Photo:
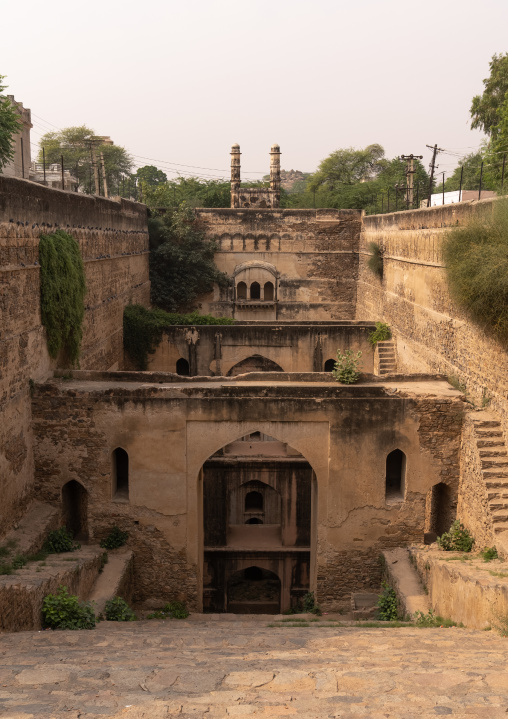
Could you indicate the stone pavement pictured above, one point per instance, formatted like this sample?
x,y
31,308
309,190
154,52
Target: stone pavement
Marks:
x,y
231,666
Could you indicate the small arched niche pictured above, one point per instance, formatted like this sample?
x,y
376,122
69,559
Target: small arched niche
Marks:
x,y
182,367
395,476
241,291
254,502
269,292
120,474
329,365
75,509
255,291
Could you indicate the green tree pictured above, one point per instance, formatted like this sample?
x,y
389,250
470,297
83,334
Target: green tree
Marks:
x,y
181,266
191,190
346,166
75,145
151,176
486,108
470,167
10,124
496,153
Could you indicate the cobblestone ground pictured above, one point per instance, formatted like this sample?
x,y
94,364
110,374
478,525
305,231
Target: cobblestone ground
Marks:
x,y
233,667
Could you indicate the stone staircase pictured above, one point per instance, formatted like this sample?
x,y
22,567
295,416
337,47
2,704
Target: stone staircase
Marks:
x,y
493,453
387,361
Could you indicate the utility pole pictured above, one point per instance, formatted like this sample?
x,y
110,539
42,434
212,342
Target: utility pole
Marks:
x,y
410,171
95,167
432,166
104,180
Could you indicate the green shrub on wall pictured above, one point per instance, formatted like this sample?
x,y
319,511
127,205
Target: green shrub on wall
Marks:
x,y
143,328
375,261
62,294
476,259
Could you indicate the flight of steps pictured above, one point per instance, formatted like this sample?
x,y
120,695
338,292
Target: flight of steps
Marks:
x,y
386,357
493,454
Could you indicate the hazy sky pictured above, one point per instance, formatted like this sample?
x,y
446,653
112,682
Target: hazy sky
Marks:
x,y
180,82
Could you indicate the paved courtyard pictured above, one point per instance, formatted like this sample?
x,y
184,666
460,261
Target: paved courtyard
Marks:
x,y
234,667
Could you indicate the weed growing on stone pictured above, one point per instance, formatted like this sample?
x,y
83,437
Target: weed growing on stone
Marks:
x,y
116,538
488,554
171,610
380,334
457,384
117,610
346,369
309,605
498,574
430,619
375,261
460,558
64,611
387,604
60,540
457,539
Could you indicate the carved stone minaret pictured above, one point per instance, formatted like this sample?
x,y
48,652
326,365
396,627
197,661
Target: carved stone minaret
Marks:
x,y
235,175
275,175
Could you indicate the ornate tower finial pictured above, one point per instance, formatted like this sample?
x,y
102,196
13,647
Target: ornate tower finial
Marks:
x,y
275,175
235,175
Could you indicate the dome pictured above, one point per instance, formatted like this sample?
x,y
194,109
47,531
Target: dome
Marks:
x,y
275,148
234,147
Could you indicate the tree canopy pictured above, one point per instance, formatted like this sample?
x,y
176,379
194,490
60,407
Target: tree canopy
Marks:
x,y
151,176
10,124
75,145
181,261
191,190
486,109
346,166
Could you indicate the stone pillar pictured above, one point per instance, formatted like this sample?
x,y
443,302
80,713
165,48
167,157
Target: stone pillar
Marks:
x,y
235,175
275,175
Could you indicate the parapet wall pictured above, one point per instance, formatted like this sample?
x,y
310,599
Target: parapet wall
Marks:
x,y
113,239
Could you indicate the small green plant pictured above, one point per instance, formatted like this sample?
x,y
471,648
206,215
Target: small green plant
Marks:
x,y
380,334
309,605
116,538
64,611
171,610
31,387
104,561
486,398
375,261
117,610
488,554
60,540
346,369
429,619
457,384
19,561
387,604
457,539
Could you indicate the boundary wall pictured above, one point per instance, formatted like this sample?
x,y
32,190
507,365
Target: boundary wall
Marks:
x,y
113,239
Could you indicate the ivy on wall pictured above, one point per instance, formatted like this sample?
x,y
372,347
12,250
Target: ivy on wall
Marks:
x,y
62,294
143,328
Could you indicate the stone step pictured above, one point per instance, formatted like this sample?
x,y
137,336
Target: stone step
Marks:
x,y
493,453
490,443
485,422
500,527
386,352
494,462
498,496
498,485
489,474
115,579
497,504
385,343
499,516
31,532
485,432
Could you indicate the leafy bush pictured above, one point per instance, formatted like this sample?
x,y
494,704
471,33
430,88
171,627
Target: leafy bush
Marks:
x,y
171,610
387,604
117,610
346,367
62,293
476,259
488,554
116,538
309,604
380,334
60,540
143,328
375,261
457,539
64,611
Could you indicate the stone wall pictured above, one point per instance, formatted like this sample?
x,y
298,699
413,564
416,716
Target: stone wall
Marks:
x,y
294,347
170,430
114,244
313,254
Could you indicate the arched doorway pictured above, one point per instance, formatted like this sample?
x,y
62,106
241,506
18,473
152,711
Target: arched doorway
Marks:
x,y
253,590
255,363
75,509
257,515
182,367
443,509
329,365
